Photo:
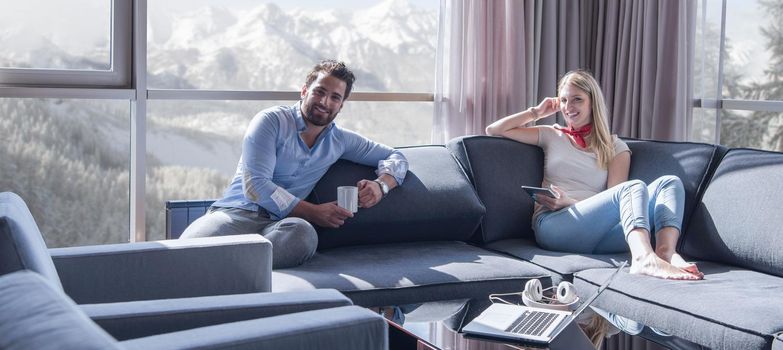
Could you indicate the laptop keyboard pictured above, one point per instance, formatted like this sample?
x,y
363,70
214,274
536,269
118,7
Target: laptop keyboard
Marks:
x,y
532,323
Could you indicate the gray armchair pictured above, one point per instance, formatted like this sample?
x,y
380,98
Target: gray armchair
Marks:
x,y
205,293
135,271
35,314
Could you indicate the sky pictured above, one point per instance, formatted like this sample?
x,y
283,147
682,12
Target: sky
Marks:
x,y
62,22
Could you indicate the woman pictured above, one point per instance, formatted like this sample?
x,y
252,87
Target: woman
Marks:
x,y
598,210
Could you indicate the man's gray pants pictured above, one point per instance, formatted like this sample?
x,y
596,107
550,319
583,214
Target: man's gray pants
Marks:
x,y
294,240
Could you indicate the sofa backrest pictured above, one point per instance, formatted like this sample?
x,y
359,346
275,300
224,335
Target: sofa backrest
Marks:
x,y
435,202
739,220
497,167
692,162
21,245
181,213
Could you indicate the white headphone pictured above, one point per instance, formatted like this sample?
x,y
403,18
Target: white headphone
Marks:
x,y
565,298
534,295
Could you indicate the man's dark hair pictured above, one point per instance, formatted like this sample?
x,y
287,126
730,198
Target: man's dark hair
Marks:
x,y
336,69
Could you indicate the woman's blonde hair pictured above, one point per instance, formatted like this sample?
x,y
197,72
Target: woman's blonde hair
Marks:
x,y
599,140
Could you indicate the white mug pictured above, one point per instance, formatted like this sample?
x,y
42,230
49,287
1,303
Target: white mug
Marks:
x,y
348,198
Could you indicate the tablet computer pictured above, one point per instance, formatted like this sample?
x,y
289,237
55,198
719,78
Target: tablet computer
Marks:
x,y
540,191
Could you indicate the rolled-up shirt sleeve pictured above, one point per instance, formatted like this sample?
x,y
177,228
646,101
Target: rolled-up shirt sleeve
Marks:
x,y
388,160
258,162
395,165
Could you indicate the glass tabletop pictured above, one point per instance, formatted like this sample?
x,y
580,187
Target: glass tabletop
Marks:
x,y
437,325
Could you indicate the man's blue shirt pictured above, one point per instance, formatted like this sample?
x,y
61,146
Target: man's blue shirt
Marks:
x,y
277,169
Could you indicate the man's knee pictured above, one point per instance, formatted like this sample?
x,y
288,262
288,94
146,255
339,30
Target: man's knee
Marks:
x,y
294,241
300,230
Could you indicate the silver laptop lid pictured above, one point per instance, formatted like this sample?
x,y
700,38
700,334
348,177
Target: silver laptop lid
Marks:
x,y
588,301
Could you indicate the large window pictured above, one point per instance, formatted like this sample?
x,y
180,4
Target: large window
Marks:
x,y
739,73
96,147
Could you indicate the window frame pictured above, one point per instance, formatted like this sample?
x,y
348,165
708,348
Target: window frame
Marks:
x,y
719,103
118,75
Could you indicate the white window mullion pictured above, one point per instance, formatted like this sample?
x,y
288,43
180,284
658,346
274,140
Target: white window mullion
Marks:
x,y
721,59
138,120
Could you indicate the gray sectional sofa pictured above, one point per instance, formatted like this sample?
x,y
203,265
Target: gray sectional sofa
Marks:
x,y
459,228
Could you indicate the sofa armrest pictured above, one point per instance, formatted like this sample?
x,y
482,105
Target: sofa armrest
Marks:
x,y
347,327
136,319
165,269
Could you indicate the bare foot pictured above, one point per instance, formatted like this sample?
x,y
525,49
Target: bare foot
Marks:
x,y
677,261
654,266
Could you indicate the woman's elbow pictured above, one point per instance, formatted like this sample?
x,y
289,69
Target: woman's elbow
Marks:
x,y
491,130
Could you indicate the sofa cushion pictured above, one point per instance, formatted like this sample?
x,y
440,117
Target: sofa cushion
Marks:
x,y
21,243
731,308
34,314
136,319
739,218
692,162
344,327
406,273
436,202
563,265
497,167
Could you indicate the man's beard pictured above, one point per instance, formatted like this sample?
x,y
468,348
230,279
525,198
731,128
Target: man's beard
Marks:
x,y
318,121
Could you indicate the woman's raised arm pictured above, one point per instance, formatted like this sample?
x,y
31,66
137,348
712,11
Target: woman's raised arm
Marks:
x,y
513,126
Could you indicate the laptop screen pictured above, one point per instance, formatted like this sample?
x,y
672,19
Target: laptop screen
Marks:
x,y
589,300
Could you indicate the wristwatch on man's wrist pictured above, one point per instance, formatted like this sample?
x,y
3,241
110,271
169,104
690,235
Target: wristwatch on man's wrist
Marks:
x,y
384,186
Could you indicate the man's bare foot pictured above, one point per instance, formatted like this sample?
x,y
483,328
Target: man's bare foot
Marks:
x,y
654,266
677,261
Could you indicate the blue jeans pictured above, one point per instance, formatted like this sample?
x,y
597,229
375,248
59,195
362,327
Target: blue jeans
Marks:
x,y
601,223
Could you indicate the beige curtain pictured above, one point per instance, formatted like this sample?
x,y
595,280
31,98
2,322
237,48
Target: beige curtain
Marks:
x,y
484,64
643,63
499,57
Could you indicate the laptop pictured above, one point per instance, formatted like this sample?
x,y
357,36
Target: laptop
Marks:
x,y
526,324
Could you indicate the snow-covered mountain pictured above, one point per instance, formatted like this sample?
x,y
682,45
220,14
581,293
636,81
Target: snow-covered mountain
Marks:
x,y
390,46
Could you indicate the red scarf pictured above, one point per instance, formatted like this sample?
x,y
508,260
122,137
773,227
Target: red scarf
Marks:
x,y
579,134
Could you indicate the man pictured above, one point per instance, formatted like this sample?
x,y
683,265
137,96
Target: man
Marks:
x,y
286,150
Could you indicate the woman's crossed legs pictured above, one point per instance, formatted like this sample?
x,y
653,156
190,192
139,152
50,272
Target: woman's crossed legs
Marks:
x,y
618,219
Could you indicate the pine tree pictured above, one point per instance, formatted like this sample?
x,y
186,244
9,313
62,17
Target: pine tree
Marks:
x,y
765,128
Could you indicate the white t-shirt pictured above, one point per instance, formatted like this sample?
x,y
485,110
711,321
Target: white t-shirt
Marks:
x,y
573,170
